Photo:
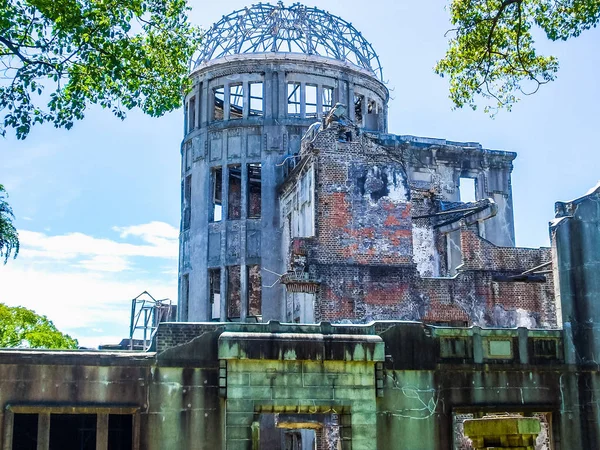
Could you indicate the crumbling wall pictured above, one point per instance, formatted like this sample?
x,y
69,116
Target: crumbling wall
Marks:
x,y
363,203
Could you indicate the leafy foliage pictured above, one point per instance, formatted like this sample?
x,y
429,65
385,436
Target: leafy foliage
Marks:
x,y
23,328
67,54
492,53
9,238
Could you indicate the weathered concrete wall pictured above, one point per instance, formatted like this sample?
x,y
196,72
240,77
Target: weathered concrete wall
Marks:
x,y
575,237
389,385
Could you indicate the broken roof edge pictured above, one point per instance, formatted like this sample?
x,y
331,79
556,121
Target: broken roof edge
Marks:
x,y
427,142
565,209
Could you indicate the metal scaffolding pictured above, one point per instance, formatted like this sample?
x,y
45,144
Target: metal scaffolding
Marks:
x,y
295,29
146,314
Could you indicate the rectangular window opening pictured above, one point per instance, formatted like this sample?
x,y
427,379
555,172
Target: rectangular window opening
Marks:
x,y
327,99
234,200
254,291
233,292
192,114
236,101
120,431
219,102
217,194
185,293
293,96
73,431
254,190
467,189
187,202
25,429
372,107
311,101
359,106
256,99
214,281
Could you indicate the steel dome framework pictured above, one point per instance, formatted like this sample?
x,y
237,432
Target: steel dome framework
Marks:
x,y
295,29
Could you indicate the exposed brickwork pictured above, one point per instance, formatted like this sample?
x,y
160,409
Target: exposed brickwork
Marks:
x,y
362,254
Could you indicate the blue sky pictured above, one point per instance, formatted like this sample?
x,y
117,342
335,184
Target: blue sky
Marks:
x,y
98,206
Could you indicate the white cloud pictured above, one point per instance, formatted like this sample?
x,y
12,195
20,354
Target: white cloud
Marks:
x,y
160,242
78,300
85,284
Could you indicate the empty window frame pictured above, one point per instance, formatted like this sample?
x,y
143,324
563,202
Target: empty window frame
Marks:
x,y
187,202
185,293
73,431
214,286
327,99
24,435
359,108
219,102
216,194
254,190
192,114
236,101
234,306
372,107
187,155
311,101
254,291
65,429
256,100
294,101
467,190
234,195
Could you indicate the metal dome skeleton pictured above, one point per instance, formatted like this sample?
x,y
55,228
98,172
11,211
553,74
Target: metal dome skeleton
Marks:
x,y
295,29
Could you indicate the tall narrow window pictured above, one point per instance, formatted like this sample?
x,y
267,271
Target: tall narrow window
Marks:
x,y
192,114
219,102
293,96
236,101
214,281
254,291
185,293
120,427
327,99
311,101
359,108
234,200
256,99
187,202
467,190
233,292
254,190
217,194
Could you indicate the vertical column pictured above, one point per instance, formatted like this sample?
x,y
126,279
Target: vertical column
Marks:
x,y
303,100
282,100
243,271
226,101
319,101
225,213
9,419
102,431
351,102
198,104
270,94
246,101
43,435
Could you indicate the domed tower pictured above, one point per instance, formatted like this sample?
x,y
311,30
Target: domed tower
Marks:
x,y
265,73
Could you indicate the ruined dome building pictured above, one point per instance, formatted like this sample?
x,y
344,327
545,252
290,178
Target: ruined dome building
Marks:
x,y
338,290
349,222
